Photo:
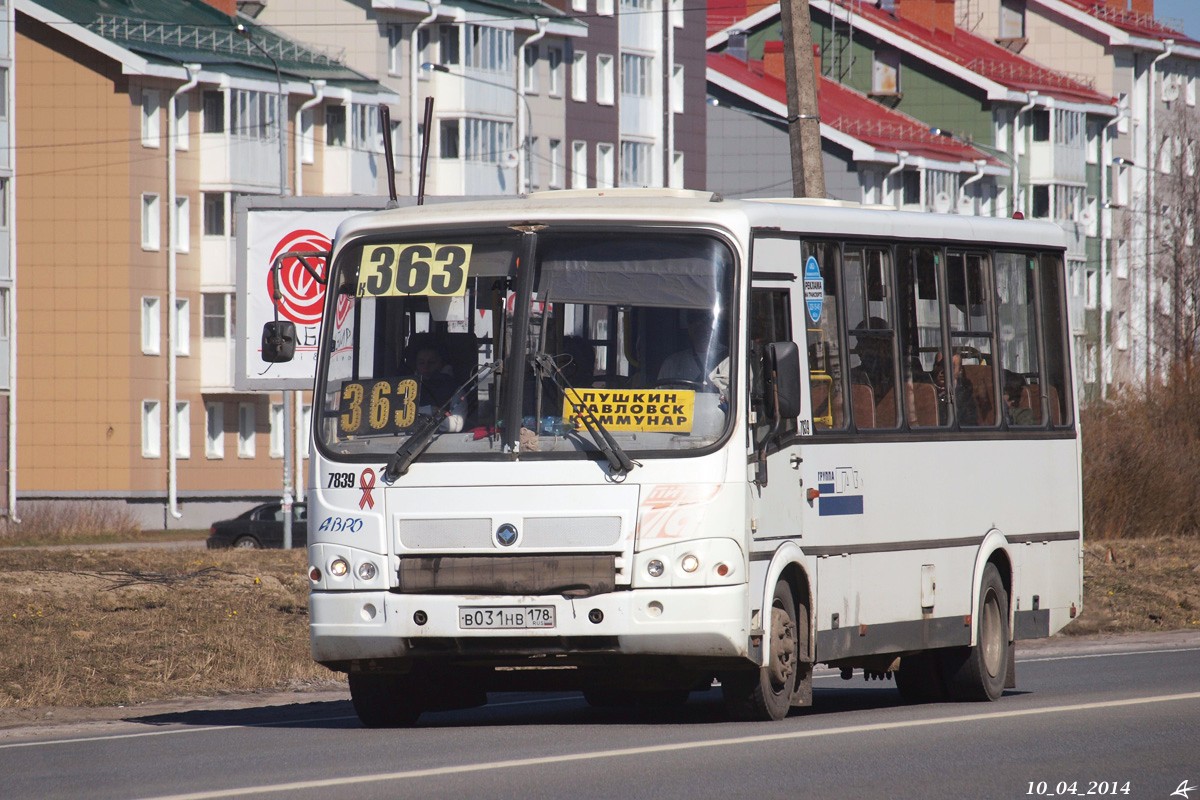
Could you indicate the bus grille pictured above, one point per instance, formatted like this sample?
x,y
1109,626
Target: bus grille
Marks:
x,y
569,575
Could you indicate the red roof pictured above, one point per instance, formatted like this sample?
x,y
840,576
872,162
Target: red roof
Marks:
x,y
853,113
988,59
1131,21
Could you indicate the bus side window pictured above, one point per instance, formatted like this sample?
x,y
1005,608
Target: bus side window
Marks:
x,y
872,340
821,319
974,387
920,331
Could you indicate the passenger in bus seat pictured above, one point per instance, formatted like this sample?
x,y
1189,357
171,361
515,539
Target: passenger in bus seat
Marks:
x,y
963,392
1014,389
875,366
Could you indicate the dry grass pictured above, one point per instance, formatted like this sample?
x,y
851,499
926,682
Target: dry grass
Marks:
x,y
65,523
95,628
1141,466
104,628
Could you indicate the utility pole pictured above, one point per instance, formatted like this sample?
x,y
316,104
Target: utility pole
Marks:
x,y
804,122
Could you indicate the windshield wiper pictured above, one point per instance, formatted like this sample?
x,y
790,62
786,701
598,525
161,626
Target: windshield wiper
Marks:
x,y
426,428
618,459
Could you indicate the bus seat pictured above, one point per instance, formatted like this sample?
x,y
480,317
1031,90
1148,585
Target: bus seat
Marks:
x,y
885,411
819,392
862,403
980,376
925,404
1034,393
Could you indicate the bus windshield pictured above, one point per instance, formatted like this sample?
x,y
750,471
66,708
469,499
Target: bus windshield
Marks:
x,y
627,330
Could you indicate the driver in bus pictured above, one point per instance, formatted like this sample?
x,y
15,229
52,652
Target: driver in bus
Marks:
x,y
703,362
437,383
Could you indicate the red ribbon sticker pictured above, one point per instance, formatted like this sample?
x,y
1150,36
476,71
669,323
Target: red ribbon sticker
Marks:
x,y
366,485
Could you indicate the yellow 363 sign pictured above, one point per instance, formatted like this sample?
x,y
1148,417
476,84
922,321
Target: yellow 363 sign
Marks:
x,y
425,268
388,405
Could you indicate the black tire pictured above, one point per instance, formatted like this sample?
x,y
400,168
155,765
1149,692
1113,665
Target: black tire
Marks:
x,y
766,695
246,543
979,673
383,700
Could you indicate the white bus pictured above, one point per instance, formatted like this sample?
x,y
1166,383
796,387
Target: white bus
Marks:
x,y
630,442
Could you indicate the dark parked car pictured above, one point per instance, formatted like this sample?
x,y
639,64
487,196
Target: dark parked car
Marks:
x,y
261,526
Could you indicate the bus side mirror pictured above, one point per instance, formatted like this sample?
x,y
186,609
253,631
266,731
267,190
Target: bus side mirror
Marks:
x,y
781,370
278,342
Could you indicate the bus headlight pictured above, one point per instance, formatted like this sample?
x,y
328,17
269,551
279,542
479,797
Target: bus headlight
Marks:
x,y
654,568
367,571
339,567
689,563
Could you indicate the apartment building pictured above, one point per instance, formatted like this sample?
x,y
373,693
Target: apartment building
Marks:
x,y
137,126
1139,287
8,339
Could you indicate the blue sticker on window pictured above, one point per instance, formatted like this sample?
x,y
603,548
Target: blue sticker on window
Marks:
x,y
814,289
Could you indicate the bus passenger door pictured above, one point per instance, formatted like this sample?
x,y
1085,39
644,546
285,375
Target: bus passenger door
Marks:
x,y
776,493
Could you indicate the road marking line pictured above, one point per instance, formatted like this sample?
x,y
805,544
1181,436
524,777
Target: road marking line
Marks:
x,y
664,748
1109,655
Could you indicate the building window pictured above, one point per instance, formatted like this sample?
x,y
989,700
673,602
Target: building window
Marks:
x,y
910,187
307,145
215,322
579,5
214,214
278,438
579,76
1123,258
677,88
214,430
302,437
335,126
182,134
183,327
635,163
151,222
448,138
486,140
4,203
635,75
151,326
183,430
1122,330
677,179
151,429
532,177
448,47
1041,202
151,125
489,49
529,68
554,62
604,8
1040,119
213,112
395,49
604,166
183,225
246,424
556,164
604,79
579,165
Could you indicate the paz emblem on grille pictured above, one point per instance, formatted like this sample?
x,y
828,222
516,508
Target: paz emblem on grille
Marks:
x,y
506,535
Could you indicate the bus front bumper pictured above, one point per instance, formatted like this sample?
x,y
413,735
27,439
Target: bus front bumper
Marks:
x,y
701,622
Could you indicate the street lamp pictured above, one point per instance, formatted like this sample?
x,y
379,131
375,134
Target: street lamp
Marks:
x,y
280,111
280,118
522,132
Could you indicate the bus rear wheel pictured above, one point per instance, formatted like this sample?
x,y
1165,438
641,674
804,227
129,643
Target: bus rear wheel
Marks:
x,y
383,700
767,694
980,672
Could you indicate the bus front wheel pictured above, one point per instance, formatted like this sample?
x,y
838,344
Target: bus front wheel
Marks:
x,y
383,700
768,693
980,672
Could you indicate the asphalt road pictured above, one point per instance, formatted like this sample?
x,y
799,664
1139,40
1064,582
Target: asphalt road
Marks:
x,y
1118,717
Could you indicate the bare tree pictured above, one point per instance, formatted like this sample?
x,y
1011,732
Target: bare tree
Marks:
x,y
1177,244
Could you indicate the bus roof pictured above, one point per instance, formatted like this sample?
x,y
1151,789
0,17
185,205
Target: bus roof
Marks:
x,y
805,216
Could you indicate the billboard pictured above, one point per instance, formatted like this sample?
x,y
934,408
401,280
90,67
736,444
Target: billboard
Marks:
x,y
266,227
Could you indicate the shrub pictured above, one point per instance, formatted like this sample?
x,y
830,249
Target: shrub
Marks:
x,y
57,521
